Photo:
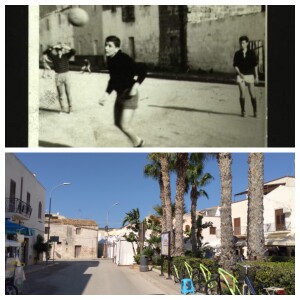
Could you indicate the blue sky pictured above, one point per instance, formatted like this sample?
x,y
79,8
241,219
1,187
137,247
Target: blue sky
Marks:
x,y
98,180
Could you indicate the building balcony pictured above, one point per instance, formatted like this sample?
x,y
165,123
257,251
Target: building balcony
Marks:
x,y
240,231
17,209
273,227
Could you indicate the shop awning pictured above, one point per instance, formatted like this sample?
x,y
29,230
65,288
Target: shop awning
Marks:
x,y
13,228
280,239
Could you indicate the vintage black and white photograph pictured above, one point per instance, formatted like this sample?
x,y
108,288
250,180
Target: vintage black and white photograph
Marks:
x,y
152,76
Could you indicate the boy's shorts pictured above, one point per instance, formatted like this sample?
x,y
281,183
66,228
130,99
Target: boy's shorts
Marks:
x,y
126,101
62,78
247,79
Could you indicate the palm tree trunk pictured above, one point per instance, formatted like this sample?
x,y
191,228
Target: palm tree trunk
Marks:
x,y
181,167
163,158
194,196
163,205
255,229
228,257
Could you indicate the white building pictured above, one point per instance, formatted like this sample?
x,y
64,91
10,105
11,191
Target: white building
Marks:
x,y
24,205
279,216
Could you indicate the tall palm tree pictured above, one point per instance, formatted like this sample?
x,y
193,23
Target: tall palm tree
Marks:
x,y
196,179
228,257
181,168
255,228
153,170
165,173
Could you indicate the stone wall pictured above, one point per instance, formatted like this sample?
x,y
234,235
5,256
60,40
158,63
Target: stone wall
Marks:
x,y
144,31
211,44
202,13
86,238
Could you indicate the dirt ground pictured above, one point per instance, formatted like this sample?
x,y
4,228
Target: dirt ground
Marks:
x,y
171,113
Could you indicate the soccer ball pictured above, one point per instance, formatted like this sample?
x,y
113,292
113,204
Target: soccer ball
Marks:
x,y
78,17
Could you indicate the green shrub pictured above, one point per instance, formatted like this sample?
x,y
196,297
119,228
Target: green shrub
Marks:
x,y
282,259
137,258
278,274
156,260
148,252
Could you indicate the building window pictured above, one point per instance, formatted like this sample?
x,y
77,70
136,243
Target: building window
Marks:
x,y
28,199
212,230
12,196
187,227
113,8
78,230
46,230
128,13
48,24
40,210
95,47
79,48
59,19
237,226
279,219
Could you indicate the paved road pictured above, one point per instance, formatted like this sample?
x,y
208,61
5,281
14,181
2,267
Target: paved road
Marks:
x,y
98,277
171,114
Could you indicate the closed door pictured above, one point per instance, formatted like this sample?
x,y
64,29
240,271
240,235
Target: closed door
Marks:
x,y
279,219
237,226
77,251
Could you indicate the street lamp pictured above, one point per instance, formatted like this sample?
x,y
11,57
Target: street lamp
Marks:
x,y
107,227
49,214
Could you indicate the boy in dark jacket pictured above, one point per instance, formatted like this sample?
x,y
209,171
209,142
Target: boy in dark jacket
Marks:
x,y
122,71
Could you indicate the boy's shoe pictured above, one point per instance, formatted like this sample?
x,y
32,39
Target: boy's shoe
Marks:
x,y
141,144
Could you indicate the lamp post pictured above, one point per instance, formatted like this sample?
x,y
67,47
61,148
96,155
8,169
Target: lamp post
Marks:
x,y
49,214
107,226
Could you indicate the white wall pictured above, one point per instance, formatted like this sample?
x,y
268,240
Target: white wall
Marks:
x,y
15,170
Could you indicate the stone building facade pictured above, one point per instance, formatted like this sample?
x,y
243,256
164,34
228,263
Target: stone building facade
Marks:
x,y
171,37
72,238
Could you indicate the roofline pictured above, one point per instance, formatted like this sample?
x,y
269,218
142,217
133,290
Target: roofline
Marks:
x,y
26,169
266,183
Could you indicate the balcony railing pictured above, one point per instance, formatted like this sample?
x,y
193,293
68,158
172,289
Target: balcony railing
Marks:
x,y
17,206
271,227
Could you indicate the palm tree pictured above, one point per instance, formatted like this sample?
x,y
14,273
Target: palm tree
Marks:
x,y
132,218
196,179
153,170
181,168
255,228
165,174
228,257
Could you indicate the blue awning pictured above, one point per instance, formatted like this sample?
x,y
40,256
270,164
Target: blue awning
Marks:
x,y
13,228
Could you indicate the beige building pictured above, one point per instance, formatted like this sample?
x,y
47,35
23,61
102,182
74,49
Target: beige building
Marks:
x,y
72,238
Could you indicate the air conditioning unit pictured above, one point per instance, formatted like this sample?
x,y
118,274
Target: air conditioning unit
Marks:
x,y
286,210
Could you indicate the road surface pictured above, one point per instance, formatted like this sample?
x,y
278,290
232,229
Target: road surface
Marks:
x,y
97,277
171,113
